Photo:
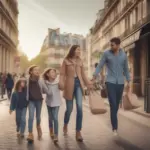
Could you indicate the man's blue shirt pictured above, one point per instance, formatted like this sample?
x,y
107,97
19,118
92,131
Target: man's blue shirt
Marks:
x,y
116,65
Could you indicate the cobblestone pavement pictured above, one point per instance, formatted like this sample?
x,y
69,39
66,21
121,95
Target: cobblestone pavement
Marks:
x,y
96,132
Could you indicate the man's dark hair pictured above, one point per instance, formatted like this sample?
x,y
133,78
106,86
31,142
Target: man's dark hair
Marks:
x,y
96,64
115,40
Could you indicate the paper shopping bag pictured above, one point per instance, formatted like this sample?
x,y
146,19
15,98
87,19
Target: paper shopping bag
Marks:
x,y
97,105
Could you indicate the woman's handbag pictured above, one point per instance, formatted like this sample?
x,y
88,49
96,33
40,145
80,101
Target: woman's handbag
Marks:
x,y
96,103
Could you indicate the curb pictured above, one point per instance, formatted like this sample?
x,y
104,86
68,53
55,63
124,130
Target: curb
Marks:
x,y
4,99
133,119
134,111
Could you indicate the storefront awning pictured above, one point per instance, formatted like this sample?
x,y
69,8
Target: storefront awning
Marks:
x,y
128,43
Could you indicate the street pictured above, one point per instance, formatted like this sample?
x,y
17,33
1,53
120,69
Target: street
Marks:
x,y
96,132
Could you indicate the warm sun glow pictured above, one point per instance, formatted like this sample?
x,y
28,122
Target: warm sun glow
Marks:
x,y
33,29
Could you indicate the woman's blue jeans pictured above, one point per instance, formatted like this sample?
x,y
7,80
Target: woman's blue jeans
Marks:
x,y
77,94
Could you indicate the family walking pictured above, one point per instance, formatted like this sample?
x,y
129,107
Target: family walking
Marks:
x,y
72,81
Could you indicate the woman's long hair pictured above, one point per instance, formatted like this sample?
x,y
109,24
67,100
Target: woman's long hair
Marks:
x,y
45,77
17,84
71,52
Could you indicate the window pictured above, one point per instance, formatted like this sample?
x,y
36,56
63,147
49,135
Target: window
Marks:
x,y
144,9
136,14
127,22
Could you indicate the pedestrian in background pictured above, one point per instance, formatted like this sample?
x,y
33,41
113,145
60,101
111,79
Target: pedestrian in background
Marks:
x,y
116,62
53,100
19,104
9,83
35,98
3,83
73,81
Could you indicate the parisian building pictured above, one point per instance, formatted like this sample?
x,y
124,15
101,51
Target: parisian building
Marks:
x,y
8,34
56,45
130,21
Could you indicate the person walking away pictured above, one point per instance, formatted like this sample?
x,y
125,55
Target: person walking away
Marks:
x,y
9,82
53,101
19,104
72,75
3,84
34,96
116,63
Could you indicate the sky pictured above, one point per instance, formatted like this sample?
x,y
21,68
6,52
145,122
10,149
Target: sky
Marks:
x,y
36,16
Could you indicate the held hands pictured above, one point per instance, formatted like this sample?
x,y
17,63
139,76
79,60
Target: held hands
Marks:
x,y
10,112
128,86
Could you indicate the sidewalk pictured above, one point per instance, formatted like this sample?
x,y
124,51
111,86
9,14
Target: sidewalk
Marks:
x,y
137,115
4,98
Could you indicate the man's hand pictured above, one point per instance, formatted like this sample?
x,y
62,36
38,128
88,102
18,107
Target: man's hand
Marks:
x,y
93,79
129,86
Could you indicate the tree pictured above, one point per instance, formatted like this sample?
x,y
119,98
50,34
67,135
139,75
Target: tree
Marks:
x,y
24,63
39,60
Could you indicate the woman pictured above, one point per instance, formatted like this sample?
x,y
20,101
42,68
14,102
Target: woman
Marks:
x,y
9,82
72,82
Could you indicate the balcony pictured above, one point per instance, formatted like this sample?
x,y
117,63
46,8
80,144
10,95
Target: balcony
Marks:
x,y
96,54
106,46
98,22
110,2
135,27
108,27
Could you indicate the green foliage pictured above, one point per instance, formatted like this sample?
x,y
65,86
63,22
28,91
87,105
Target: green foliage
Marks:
x,y
39,60
24,62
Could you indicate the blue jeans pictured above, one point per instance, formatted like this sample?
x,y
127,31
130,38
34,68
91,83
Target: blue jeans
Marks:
x,y
53,118
115,92
34,105
21,119
69,106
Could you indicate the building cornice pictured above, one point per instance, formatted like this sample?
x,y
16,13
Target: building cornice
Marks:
x,y
127,8
7,15
104,17
6,39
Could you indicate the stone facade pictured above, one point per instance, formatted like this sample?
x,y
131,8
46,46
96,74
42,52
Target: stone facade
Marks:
x,y
8,34
129,20
56,45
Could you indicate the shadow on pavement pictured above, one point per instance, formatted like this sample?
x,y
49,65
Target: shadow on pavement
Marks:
x,y
82,146
126,145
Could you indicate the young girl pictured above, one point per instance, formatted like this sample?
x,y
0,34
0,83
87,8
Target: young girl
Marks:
x,y
53,100
19,104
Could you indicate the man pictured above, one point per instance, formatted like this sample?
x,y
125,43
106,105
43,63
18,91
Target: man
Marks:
x,y
116,63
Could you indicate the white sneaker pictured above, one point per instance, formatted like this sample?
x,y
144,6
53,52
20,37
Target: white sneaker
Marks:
x,y
115,132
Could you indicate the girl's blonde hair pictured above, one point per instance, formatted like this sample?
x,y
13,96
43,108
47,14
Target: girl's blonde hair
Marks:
x,y
45,77
17,84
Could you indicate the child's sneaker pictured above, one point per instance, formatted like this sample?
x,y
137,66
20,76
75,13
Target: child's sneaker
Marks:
x,y
55,139
18,134
65,129
39,131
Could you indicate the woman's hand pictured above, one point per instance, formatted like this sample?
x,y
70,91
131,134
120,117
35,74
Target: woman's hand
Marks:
x,y
90,87
10,112
61,86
